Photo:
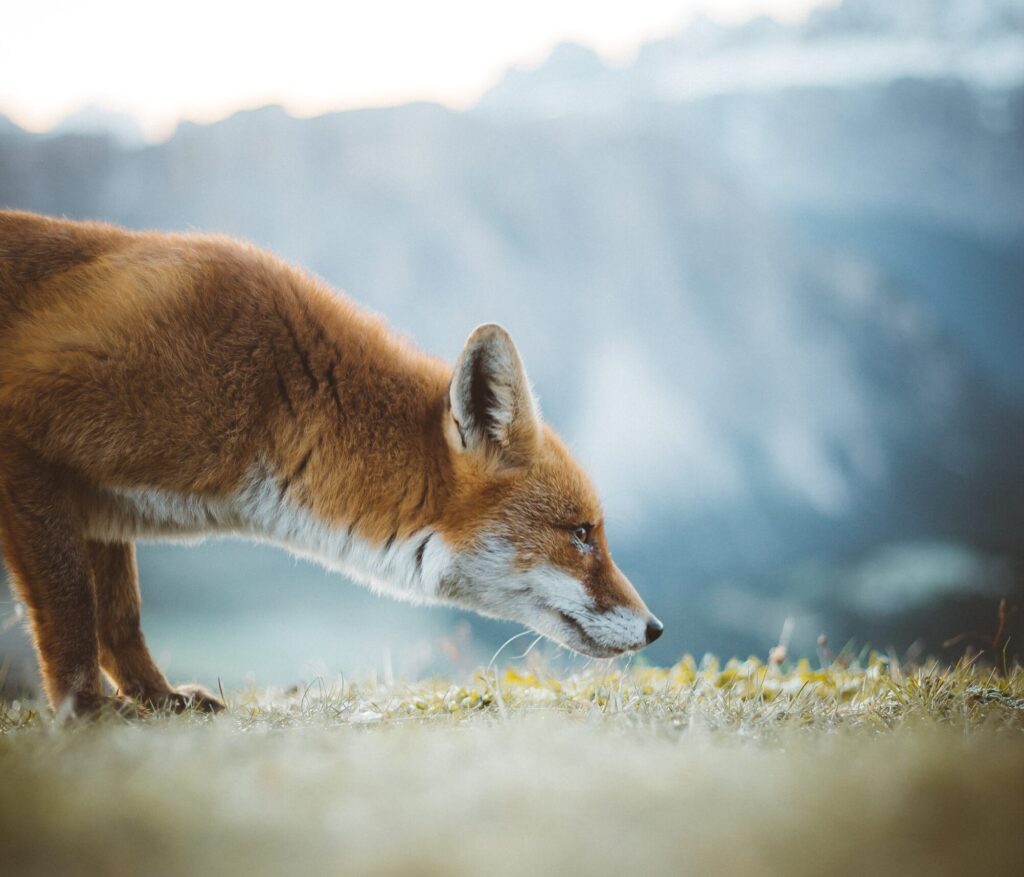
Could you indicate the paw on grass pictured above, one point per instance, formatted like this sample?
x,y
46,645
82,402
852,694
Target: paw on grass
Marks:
x,y
182,699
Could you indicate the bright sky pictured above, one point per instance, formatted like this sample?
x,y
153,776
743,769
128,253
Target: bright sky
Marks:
x,y
202,59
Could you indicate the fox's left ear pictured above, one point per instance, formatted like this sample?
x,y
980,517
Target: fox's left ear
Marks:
x,y
493,410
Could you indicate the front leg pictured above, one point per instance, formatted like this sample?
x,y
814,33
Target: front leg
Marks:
x,y
124,656
46,555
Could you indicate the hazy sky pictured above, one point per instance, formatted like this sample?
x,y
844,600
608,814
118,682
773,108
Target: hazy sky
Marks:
x,y
201,59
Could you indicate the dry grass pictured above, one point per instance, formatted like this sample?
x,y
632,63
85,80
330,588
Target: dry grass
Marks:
x,y
744,769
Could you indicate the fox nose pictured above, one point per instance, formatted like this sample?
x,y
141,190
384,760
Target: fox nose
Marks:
x,y
654,629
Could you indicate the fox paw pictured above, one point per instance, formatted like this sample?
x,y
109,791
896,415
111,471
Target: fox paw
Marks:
x,y
181,699
194,697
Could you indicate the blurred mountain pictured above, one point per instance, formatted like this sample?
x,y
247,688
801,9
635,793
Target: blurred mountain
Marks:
x,y
778,312
893,131
858,42
95,120
953,20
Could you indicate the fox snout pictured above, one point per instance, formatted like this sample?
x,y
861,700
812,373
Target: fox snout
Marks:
x,y
604,624
599,618
607,634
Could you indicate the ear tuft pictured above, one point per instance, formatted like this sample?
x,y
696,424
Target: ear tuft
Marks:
x,y
491,402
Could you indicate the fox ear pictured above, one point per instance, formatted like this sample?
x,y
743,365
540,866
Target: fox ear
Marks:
x,y
492,406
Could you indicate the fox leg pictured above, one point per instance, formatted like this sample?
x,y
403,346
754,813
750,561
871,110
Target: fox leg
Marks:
x,y
123,653
46,555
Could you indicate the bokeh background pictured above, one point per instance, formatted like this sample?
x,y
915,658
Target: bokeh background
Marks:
x,y
764,261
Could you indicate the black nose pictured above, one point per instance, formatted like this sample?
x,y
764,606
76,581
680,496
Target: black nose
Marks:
x,y
654,629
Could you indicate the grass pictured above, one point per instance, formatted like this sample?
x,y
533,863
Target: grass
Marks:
x,y
694,769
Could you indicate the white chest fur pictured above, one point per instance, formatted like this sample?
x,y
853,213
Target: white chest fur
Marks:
x,y
410,567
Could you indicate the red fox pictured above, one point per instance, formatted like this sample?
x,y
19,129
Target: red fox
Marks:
x,y
167,385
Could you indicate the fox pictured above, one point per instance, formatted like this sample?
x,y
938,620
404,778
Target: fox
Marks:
x,y
158,385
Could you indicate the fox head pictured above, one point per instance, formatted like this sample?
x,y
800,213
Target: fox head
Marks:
x,y
523,521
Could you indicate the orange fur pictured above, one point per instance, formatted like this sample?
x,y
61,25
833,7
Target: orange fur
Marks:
x,y
177,363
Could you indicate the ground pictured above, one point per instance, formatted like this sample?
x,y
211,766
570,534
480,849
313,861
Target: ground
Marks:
x,y
742,769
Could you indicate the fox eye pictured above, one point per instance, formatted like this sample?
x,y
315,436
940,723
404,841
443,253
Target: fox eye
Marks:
x,y
581,533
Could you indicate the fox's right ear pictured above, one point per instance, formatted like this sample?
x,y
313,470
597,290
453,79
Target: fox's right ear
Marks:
x,y
493,411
